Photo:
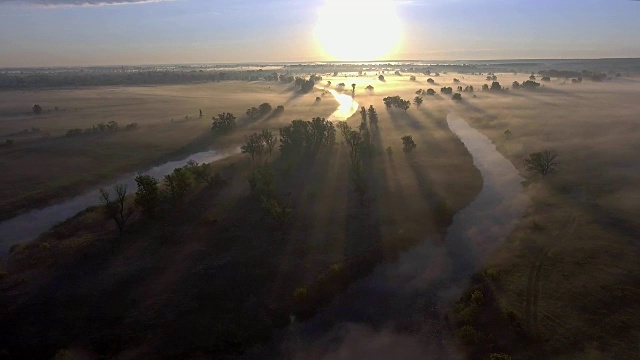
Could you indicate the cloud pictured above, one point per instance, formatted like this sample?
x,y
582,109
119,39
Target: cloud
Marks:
x,y
73,3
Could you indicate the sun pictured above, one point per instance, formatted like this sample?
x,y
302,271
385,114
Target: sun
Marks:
x,y
358,30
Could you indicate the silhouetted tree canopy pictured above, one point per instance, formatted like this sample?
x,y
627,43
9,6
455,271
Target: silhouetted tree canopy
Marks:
x,y
396,102
223,123
381,77
408,145
457,97
446,90
530,84
37,109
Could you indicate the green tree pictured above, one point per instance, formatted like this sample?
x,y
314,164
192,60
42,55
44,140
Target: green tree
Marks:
x,y
254,145
116,209
408,145
178,184
223,123
281,213
148,195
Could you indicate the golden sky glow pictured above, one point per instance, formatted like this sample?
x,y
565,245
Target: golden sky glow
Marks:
x,y
351,30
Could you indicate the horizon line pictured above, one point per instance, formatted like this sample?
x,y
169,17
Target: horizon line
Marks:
x,y
266,63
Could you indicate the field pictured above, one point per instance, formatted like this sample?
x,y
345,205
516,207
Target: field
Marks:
x,y
46,166
216,276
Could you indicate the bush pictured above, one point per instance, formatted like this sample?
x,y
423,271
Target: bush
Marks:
x,y
456,97
37,109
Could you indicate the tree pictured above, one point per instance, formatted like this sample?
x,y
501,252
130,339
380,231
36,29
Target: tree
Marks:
x,y
148,195
270,140
369,88
456,97
431,92
202,174
447,90
545,79
318,99
253,112
532,77
541,162
353,88
281,213
223,123
373,116
405,105
264,108
363,114
408,145
37,109
116,209
254,145
279,110
530,85
431,81
515,85
381,78
418,101
485,87
412,78
178,183
495,86
455,81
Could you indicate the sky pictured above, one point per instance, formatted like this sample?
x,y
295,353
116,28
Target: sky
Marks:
x,y
122,32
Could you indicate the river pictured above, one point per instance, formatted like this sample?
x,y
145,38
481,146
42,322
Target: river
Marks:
x,y
348,106
399,310
29,225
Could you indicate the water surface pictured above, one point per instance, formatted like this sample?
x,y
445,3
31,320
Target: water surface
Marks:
x,y
348,106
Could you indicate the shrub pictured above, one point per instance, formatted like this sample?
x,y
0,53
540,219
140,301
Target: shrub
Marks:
x,y
456,97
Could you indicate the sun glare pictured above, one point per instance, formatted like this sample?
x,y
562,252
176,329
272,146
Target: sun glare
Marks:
x,y
352,30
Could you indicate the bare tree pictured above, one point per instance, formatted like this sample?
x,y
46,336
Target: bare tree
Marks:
x,y
541,162
116,209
